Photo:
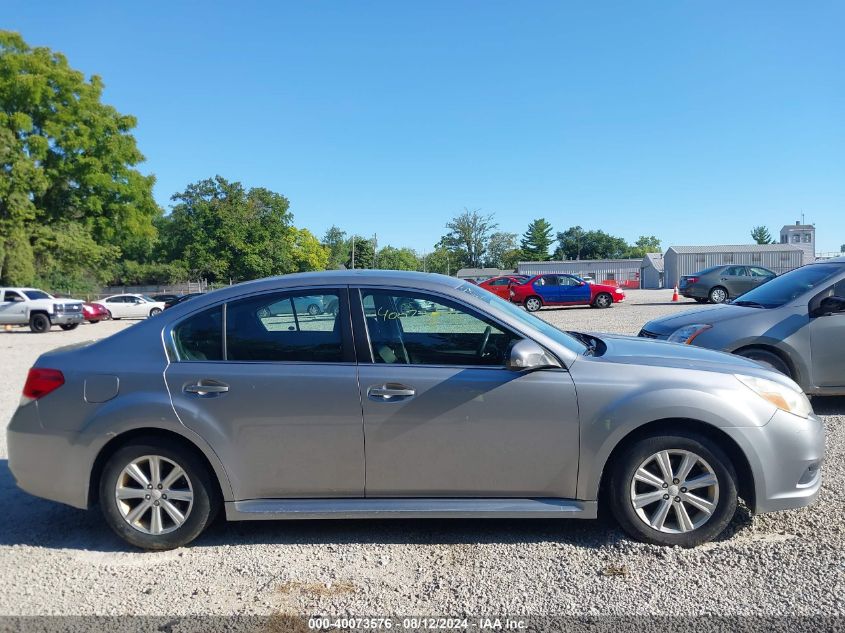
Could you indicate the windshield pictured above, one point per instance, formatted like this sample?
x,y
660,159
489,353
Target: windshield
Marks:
x,y
789,286
559,336
37,294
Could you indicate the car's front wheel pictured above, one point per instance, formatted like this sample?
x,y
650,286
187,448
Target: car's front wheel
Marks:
x,y
156,495
766,358
603,300
677,489
532,304
67,327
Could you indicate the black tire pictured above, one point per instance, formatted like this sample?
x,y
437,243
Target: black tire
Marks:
x,y
67,327
533,303
602,300
718,294
202,512
620,488
313,309
767,358
155,312
110,317
39,323
700,300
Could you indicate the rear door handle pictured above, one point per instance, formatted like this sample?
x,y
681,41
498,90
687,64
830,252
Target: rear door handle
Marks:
x,y
390,391
206,388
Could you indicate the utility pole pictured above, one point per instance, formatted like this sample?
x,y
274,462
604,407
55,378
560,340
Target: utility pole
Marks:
x,y
353,252
375,251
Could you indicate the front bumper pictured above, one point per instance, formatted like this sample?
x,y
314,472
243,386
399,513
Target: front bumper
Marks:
x,y
63,318
785,457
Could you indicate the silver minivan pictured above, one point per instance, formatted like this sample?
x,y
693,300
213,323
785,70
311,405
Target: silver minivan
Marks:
x,y
794,324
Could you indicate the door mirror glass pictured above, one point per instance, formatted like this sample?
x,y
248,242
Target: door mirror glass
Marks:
x,y
525,355
831,305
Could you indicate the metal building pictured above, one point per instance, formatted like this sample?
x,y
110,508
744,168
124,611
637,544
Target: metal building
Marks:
x,y
620,272
651,271
687,260
480,274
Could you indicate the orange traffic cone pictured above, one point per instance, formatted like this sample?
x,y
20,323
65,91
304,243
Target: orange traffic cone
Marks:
x,y
675,294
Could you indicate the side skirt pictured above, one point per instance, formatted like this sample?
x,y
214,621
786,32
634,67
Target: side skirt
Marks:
x,y
432,508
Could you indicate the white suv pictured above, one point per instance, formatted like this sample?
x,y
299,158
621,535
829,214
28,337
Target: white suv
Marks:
x,y
38,309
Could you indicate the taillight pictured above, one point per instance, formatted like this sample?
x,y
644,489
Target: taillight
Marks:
x,y
40,382
692,280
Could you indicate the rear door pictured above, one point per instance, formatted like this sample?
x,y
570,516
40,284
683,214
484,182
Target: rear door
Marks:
x,y
547,288
12,307
443,417
277,398
736,280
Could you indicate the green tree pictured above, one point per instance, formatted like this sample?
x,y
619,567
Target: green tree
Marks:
x,y
67,259
335,240
222,231
66,157
761,235
537,240
305,251
392,258
502,250
364,252
468,236
644,244
576,243
440,260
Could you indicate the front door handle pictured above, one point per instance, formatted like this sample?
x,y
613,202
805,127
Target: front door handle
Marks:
x,y
390,391
206,388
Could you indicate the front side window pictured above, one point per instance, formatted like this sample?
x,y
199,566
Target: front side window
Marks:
x,y
569,281
36,294
410,328
760,272
285,326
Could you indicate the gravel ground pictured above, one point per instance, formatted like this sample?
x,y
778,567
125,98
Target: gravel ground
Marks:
x,y
58,560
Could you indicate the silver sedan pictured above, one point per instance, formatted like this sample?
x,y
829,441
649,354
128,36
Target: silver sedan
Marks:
x,y
469,408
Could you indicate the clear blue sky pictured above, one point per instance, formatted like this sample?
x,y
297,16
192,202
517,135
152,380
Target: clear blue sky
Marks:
x,y
692,121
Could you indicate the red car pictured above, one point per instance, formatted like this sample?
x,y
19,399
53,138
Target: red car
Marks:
x,y
563,290
94,312
500,286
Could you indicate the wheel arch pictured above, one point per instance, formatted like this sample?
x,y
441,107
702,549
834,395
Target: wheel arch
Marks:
x,y
795,372
745,475
152,433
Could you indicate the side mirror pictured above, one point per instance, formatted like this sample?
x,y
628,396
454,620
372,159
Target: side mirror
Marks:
x,y
831,305
525,355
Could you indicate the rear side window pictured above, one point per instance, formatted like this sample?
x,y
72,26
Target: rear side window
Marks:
x,y
285,327
200,338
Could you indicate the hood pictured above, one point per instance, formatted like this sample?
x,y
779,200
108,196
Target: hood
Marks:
x,y
605,287
631,350
705,314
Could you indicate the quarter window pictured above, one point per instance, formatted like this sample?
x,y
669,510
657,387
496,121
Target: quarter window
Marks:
x,y
409,328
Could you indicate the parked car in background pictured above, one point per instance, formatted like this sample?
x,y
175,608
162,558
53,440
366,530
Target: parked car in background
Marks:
x,y
563,290
475,409
181,298
94,312
130,306
719,284
38,309
500,286
794,324
166,297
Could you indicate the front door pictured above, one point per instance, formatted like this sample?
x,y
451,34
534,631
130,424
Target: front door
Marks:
x,y
278,399
12,307
443,417
574,290
827,341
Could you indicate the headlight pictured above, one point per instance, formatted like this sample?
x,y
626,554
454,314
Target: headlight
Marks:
x,y
787,398
687,333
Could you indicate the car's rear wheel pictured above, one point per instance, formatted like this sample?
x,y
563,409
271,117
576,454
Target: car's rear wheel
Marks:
x,y
313,309
677,489
156,495
603,300
67,327
700,299
532,304
39,323
718,295
767,358
155,312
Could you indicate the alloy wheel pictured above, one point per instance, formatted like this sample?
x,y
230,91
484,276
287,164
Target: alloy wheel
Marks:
x,y
718,295
154,494
532,304
674,491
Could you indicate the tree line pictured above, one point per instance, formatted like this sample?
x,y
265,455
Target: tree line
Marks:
x,y
76,213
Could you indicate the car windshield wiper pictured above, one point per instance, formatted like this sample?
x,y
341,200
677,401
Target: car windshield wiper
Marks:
x,y
591,343
748,304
